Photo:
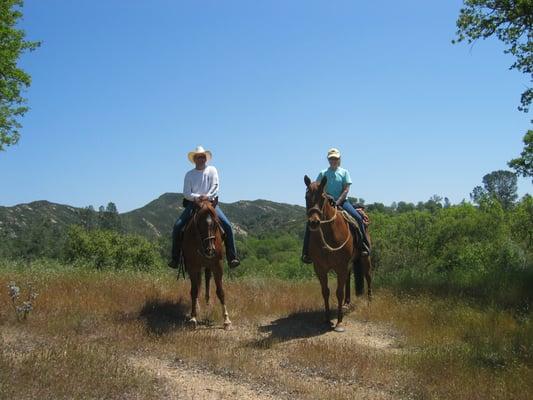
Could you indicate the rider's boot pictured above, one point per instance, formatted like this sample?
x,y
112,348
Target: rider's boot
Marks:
x,y
305,250
231,257
176,250
365,247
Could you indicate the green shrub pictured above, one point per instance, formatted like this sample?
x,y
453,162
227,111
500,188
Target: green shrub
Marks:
x,y
110,249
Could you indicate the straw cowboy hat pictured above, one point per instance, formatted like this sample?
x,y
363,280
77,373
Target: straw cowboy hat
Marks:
x,y
334,153
200,150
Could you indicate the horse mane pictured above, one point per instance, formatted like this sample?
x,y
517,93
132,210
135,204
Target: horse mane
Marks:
x,y
207,205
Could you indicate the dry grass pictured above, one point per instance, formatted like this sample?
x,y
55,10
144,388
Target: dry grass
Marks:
x,y
461,351
85,327
70,369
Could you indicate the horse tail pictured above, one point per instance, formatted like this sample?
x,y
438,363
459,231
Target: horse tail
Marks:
x,y
358,277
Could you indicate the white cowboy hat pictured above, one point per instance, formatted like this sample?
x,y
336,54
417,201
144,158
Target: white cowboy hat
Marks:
x,y
199,150
333,152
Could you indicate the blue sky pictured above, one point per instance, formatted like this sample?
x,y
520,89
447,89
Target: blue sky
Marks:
x,y
122,90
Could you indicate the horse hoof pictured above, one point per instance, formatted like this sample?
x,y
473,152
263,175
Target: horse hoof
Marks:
x,y
348,307
193,324
339,329
227,326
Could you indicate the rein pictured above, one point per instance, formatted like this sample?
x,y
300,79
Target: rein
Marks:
x,y
321,222
200,249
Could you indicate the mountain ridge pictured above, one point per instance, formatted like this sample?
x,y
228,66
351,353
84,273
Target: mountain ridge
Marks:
x,y
155,218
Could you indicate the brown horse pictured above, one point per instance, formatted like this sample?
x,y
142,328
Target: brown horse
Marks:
x,y
331,247
202,248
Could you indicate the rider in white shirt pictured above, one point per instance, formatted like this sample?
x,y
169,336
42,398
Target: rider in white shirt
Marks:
x,y
201,183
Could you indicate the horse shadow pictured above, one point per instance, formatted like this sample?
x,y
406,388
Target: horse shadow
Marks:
x,y
163,317
298,325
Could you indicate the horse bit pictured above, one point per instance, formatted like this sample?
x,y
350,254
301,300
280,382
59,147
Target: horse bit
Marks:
x,y
321,222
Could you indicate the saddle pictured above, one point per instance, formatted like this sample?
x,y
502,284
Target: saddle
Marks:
x,y
351,220
354,225
359,236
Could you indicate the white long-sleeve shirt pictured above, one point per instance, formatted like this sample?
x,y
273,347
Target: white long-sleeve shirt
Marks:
x,y
201,182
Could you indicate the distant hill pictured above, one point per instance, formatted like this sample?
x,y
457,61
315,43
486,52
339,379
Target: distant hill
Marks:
x,y
248,217
156,218
15,220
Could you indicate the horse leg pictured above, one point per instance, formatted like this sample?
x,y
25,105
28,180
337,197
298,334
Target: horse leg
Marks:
x,y
368,276
359,274
207,282
323,278
347,294
196,279
342,274
220,294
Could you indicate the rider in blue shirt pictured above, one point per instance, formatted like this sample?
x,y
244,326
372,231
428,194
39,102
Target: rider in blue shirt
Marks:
x,y
337,186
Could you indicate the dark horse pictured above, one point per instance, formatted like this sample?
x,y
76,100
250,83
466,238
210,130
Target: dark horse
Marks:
x,y
332,247
202,248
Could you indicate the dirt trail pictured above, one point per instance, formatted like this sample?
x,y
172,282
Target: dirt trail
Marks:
x,y
188,383
184,381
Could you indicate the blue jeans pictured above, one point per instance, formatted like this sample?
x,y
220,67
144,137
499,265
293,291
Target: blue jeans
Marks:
x,y
347,206
181,222
231,251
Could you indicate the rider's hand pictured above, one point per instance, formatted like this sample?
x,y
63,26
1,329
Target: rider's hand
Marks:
x,y
202,197
366,220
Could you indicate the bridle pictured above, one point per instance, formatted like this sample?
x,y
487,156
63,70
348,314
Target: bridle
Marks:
x,y
320,212
211,232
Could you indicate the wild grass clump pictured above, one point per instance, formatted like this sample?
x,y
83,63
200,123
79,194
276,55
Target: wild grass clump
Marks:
x,y
72,370
22,308
461,350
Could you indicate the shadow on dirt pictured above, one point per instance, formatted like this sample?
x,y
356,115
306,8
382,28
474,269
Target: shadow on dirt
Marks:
x,y
163,317
298,325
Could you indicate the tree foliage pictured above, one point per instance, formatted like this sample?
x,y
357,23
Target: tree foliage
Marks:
x,y
12,79
511,22
108,218
523,165
499,185
502,186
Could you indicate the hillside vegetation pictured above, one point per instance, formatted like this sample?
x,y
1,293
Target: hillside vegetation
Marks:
x,y
482,251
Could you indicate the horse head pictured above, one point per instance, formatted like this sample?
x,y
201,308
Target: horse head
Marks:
x,y
207,223
315,201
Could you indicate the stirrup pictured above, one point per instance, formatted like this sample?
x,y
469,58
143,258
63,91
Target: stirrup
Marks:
x,y
365,250
305,259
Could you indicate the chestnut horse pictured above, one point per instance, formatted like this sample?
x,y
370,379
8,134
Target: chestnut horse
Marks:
x,y
331,247
202,248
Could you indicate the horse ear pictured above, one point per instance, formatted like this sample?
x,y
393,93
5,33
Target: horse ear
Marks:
x,y
307,181
323,182
214,202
